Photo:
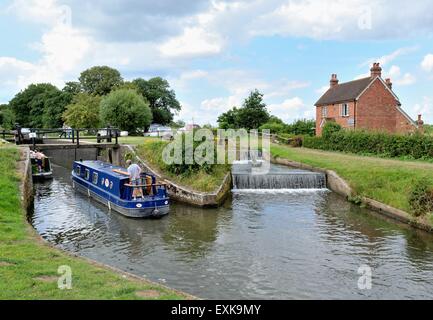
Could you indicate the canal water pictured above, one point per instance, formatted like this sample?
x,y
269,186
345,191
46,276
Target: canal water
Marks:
x,y
259,245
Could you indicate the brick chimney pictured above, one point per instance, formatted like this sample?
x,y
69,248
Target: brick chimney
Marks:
x,y
420,122
389,83
376,70
334,81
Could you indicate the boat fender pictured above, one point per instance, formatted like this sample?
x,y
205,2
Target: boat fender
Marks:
x,y
88,192
109,205
155,213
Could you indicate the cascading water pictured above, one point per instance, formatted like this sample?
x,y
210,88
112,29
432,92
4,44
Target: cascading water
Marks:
x,y
278,177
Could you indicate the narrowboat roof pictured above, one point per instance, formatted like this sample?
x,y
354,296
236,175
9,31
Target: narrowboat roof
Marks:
x,y
105,167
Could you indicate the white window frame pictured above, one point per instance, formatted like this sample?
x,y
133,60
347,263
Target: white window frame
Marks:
x,y
324,111
95,178
343,107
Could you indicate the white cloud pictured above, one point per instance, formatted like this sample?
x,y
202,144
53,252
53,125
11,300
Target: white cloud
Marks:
x,y
386,59
193,42
397,78
427,63
292,109
425,108
322,90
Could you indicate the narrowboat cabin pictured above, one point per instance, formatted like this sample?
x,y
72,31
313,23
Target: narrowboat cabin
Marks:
x,y
110,186
41,166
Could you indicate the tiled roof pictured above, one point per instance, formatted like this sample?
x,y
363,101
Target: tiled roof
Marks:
x,y
347,91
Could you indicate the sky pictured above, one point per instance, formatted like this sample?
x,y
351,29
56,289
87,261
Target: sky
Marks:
x,y
213,53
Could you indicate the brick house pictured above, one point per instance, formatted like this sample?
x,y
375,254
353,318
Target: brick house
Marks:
x,y
368,103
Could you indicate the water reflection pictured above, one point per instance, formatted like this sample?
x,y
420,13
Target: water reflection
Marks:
x,y
258,245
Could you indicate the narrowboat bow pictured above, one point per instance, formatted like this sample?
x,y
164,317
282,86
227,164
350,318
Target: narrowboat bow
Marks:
x,y
110,186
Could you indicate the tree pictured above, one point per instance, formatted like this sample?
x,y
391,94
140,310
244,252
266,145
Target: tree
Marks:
x,y
7,117
83,112
100,80
126,109
54,106
252,115
29,104
253,112
72,87
177,124
162,99
228,120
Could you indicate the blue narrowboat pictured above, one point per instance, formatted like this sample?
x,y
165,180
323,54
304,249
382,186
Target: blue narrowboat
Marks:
x,y
110,185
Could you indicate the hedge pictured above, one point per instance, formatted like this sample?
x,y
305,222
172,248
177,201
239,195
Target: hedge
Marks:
x,y
416,146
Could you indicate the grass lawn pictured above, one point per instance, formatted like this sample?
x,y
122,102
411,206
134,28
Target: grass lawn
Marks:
x,y
384,180
151,151
28,267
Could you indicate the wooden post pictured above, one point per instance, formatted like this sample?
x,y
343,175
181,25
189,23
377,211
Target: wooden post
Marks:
x,y
73,135
78,138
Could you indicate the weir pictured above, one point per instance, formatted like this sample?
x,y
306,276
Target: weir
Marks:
x,y
278,177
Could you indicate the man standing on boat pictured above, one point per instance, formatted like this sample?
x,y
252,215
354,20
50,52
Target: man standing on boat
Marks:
x,y
134,172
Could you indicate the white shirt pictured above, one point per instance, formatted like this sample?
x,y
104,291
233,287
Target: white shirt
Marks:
x,y
134,171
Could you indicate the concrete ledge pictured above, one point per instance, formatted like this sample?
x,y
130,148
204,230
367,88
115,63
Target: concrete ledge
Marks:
x,y
26,186
340,186
183,194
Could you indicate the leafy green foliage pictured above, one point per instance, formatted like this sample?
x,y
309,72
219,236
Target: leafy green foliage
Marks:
x,y
253,112
161,98
198,179
228,120
126,109
29,105
100,80
302,127
54,105
7,117
184,168
72,87
298,128
330,128
428,129
252,115
416,146
421,198
177,124
83,112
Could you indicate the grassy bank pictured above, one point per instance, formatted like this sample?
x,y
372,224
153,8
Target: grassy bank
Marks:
x,y
28,266
151,150
384,180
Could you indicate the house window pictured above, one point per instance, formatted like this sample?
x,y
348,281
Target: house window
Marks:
x,y
344,110
95,178
324,111
87,174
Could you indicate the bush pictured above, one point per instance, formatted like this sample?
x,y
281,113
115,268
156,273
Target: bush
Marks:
x,y
274,127
313,142
421,198
383,144
296,142
185,169
302,127
330,128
